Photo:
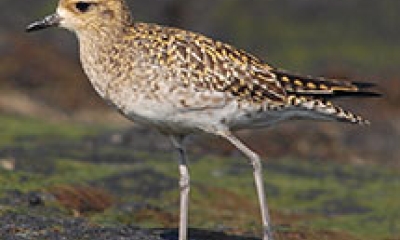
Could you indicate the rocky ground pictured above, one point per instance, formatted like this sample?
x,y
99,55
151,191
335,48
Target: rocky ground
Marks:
x,y
74,181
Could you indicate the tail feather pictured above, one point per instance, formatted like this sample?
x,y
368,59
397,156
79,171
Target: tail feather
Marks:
x,y
323,109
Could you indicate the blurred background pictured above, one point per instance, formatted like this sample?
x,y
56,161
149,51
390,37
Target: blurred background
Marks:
x,y
40,75
41,80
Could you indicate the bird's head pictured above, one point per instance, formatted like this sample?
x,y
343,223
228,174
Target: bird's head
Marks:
x,y
86,15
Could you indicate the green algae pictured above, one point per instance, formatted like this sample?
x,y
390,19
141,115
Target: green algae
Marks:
x,y
310,197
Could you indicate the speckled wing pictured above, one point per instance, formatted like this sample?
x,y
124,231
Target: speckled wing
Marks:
x,y
217,67
213,65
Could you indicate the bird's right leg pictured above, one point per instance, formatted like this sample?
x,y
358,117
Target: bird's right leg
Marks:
x,y
258,178
184,184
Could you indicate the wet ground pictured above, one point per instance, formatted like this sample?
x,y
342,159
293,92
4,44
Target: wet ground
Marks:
x,y
70,181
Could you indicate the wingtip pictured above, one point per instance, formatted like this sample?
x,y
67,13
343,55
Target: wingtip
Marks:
x,y
359,93
364,85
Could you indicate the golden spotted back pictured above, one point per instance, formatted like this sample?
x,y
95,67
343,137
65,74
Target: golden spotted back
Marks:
x,y
209,64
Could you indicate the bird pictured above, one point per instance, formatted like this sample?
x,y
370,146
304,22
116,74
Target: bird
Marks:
x,y
182,83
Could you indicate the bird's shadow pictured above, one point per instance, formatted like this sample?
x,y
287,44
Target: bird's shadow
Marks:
x,y
200,234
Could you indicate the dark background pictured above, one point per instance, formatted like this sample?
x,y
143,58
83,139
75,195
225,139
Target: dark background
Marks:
x,y
40,75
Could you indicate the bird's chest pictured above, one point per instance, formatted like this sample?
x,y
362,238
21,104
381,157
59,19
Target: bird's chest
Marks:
x,y
151,95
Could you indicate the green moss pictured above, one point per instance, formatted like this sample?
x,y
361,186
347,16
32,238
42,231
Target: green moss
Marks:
x,y
66,172
14,128
360,200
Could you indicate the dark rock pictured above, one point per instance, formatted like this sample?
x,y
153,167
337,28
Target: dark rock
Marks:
x,y
26,227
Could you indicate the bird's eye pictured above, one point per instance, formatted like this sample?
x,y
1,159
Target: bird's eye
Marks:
x,y
82,6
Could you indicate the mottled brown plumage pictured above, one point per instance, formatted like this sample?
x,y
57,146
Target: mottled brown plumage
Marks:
x,y
182,82
210,64
206,63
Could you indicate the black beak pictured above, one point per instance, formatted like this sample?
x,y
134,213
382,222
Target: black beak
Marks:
x,y
49,21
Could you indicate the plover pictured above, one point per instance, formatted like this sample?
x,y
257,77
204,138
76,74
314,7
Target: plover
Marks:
x,y
181,82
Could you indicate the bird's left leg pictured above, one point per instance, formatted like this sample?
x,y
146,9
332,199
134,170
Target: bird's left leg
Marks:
x,y
184,184
258,178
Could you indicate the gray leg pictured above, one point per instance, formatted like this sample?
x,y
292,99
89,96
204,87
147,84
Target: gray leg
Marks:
x,y
184,184
258,178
